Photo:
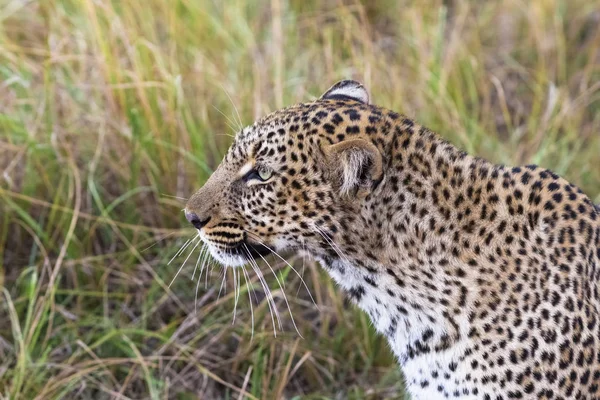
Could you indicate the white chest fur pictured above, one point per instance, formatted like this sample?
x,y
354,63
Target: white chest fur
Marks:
x,y
416,335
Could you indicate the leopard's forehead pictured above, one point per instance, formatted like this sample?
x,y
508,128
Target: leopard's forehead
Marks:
x,y
276,120
273,130
301,121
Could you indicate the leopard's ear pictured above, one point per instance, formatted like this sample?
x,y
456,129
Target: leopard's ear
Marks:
x,y
356,165
347,90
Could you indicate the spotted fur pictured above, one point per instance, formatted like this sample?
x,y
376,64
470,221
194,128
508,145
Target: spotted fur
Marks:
x,y
484,278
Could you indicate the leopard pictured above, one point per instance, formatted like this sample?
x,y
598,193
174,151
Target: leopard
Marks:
x,y
483,278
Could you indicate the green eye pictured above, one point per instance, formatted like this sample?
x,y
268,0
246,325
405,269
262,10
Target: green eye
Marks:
x,y
261,174
264,173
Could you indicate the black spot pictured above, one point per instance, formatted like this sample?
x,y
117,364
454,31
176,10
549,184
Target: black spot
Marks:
x,y
357,293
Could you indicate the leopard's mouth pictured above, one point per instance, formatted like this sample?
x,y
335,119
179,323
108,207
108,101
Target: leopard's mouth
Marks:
x,y
233,247
249,250
238,253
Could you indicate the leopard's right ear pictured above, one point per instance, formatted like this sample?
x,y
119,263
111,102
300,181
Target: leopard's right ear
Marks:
x,y
347,90
356,166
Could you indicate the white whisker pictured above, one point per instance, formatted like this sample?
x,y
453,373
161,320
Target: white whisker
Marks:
x,y
269,295
205,264
183,264
284,296
248,286
288,264
253,291
332,244
212,268
266,289
158,241
200,256
240,124
205,259
222,283
181,249
303,262
228,123
236,293
173,197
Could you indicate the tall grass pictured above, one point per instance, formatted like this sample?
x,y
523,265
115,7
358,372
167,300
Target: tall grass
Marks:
x,y
113,112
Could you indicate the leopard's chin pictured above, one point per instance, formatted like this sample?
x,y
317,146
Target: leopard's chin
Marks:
x,y
239,254
257,250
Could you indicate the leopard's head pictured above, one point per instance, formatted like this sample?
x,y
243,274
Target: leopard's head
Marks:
x,y
289,181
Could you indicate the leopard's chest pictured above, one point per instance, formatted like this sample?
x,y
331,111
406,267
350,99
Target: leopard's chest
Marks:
x,y
432,370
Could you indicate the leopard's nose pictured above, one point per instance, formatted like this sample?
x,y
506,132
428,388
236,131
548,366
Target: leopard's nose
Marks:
x,y
195,220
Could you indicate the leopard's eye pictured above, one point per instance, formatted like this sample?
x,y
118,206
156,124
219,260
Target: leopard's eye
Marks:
x,y
262,174
265,173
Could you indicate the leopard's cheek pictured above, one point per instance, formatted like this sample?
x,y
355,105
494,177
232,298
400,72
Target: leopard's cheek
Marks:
x,y
258,209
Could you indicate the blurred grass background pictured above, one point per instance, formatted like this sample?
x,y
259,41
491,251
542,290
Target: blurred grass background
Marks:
x,y
113,112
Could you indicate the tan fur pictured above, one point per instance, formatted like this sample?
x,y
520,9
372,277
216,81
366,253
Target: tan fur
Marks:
x,y
349,158
485,279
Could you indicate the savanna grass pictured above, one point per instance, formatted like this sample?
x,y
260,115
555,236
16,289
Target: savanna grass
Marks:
x,y
113,112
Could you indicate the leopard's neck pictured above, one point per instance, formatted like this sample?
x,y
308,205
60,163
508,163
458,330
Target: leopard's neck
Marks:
x,y
412,255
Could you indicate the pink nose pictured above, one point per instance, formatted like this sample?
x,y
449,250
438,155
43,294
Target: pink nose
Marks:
x,y
195,220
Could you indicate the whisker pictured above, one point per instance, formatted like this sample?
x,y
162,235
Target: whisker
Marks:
x,y
205,263
200,256
240,124
212,268
266,290
236,293
247,279
174,197
303,262
205,259
158,241
222,283
252,286
181,249
226,134
288,264
196,297
228,123
270,296
284,296
254,291
182,265
332,244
